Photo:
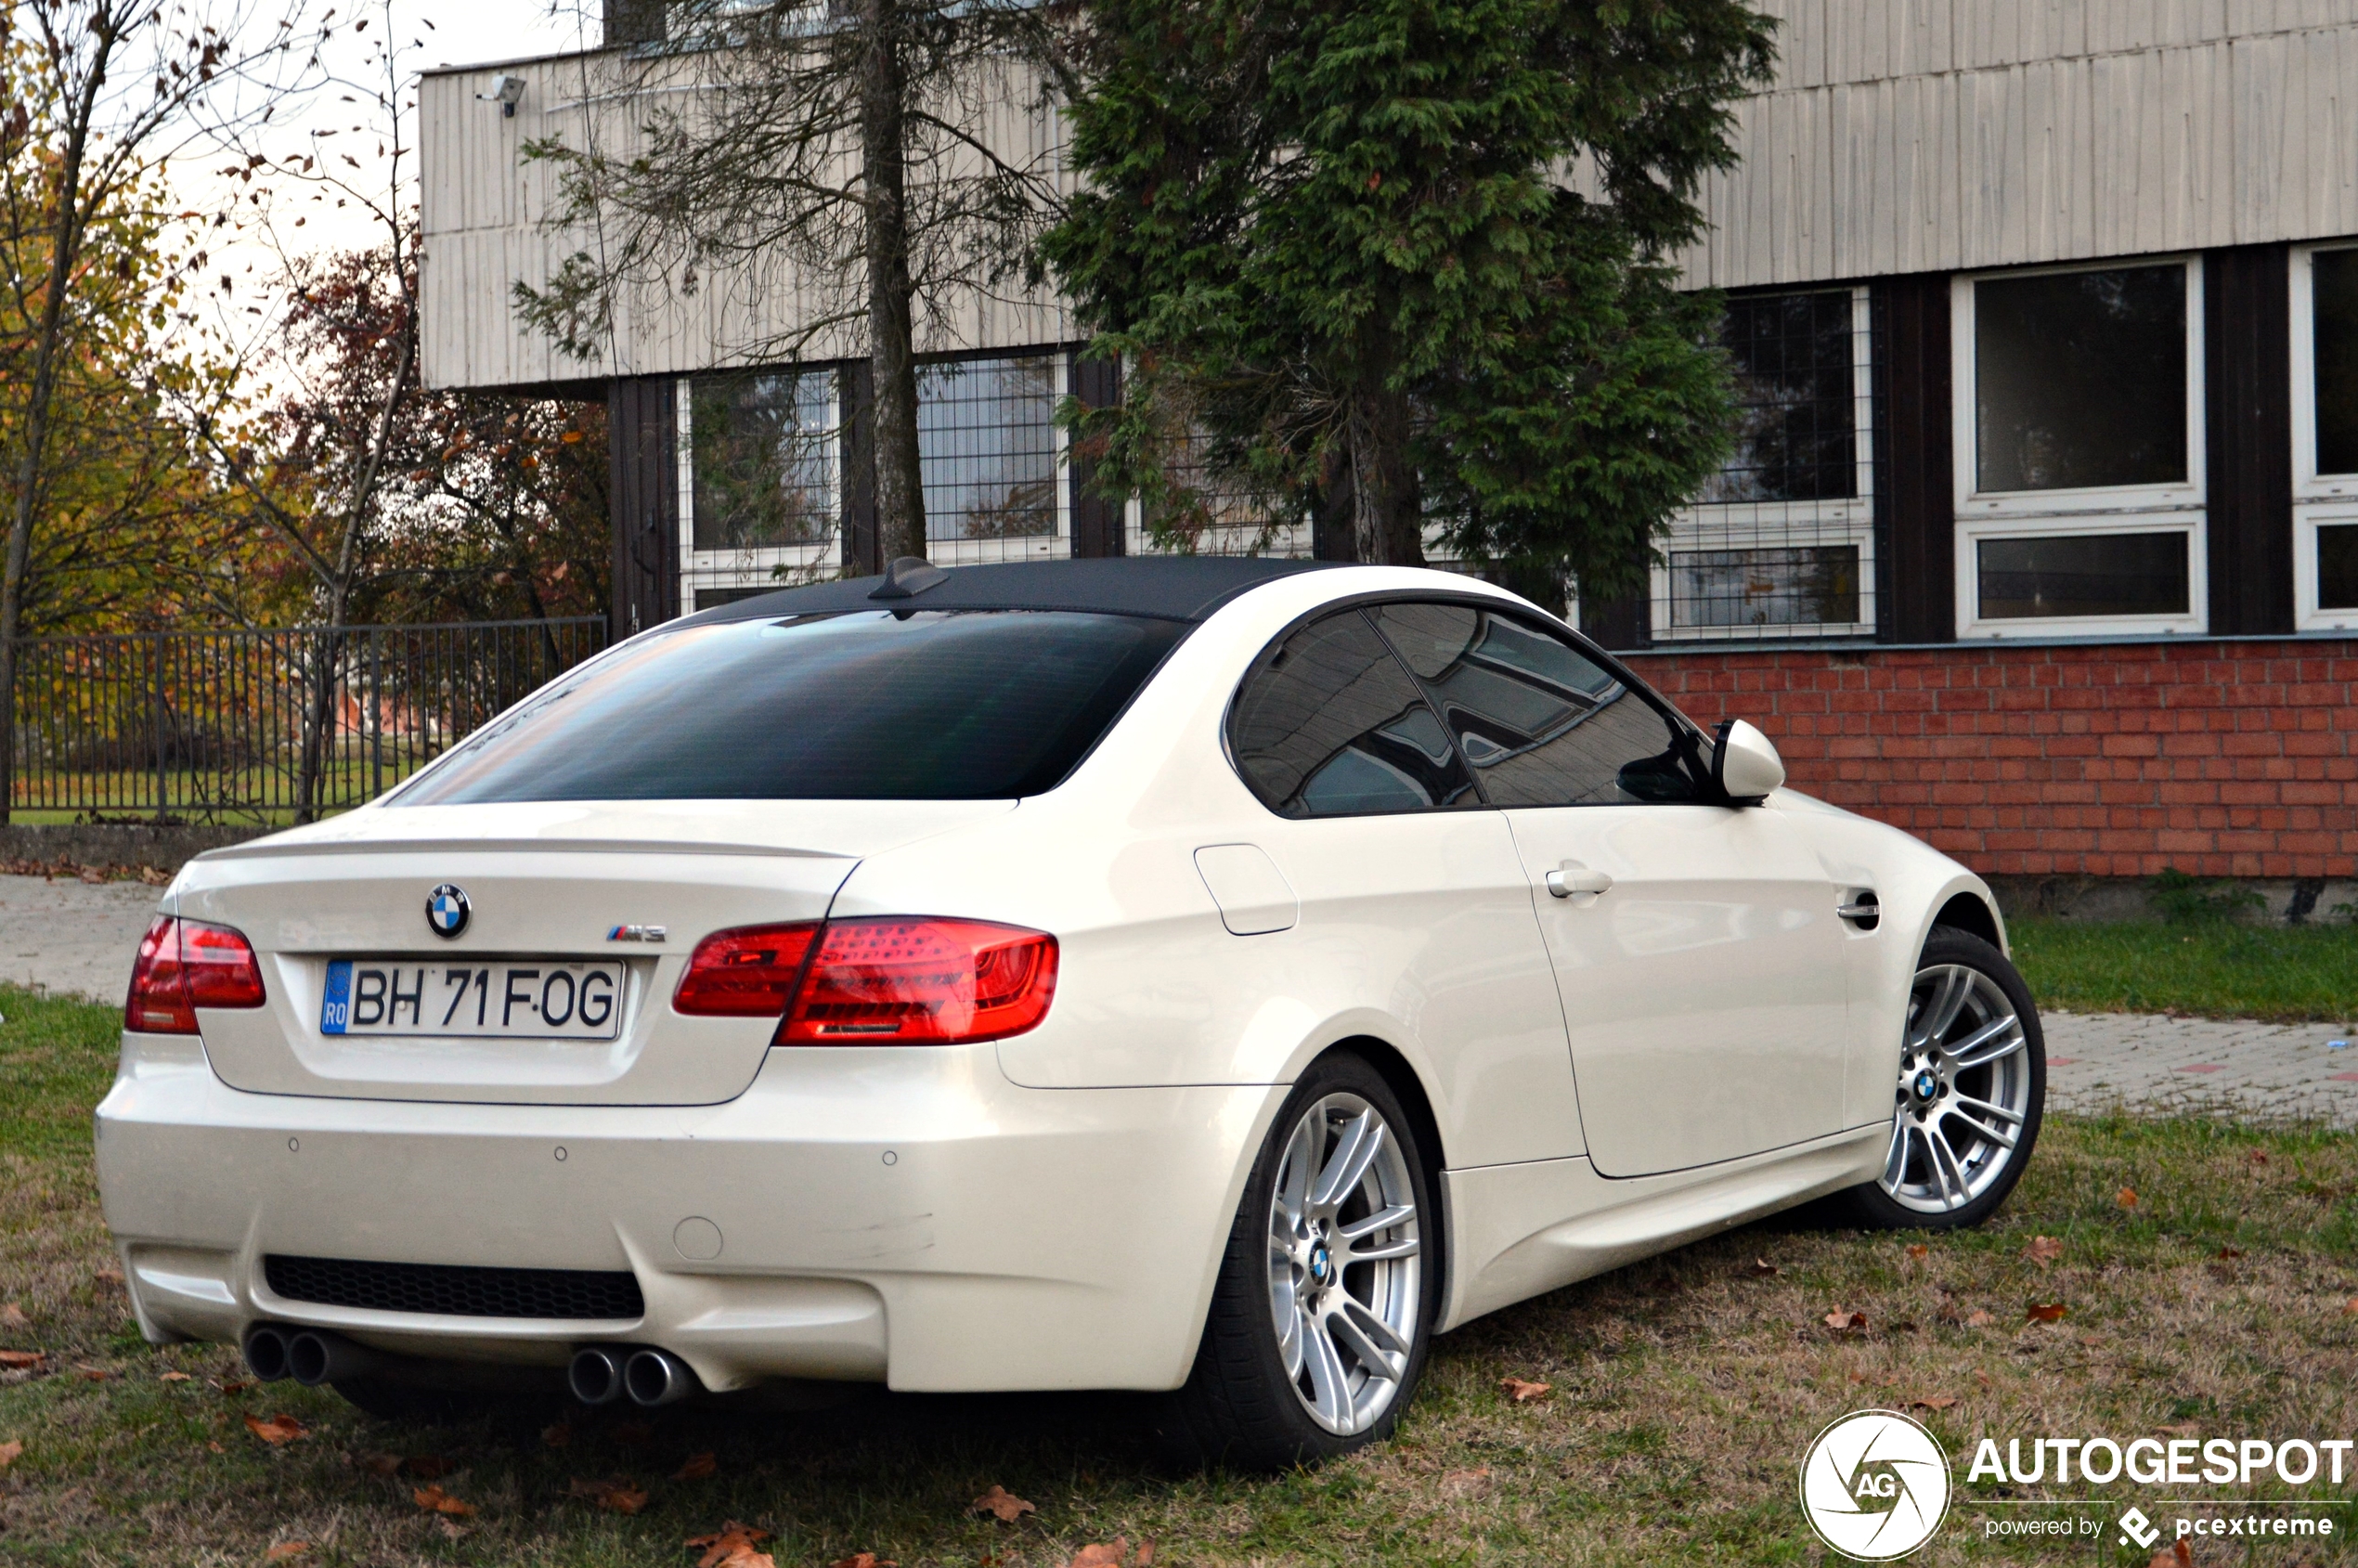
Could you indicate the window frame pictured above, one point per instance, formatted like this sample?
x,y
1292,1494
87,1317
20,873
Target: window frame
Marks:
x,y
2180,506
736,570
1359,603
1845,521
2318,500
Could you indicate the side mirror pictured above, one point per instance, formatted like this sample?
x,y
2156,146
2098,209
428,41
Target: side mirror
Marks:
x,y
1744,765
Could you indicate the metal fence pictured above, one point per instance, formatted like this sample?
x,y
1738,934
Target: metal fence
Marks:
x,y
261,726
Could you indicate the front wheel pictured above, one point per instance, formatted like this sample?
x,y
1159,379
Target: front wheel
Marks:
x,y
1323,1308
1972,1087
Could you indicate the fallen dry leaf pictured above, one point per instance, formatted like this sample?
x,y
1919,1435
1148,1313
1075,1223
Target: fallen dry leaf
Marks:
x,y
12,1316
1002,1505
8,1452
615,1495
2182,1429
2180,1555
2231,1252
2047,1311
1466,1482
91,1373
556,1436
174,1377
1523,1393
863,1560
2349,1308
286,1551
1762,1268
2259,1157
1099,1555
234,1388
1842,1321
12,1359
1919,1251
2126,1197
2044,1249
108,1277
1978,1320
215,1448
697,1467
1934,1402
433,1499
732,1544
277,1429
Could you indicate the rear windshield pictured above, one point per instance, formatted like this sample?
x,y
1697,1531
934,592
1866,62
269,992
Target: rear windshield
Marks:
x,y
872,705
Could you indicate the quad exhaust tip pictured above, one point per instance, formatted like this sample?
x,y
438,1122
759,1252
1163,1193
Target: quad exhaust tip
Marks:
x,y
311,1356
266,1349
602,1374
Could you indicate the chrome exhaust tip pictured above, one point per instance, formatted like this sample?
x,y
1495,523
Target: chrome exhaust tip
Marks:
x,y
657,1377
266,1352
595,1374
313,1357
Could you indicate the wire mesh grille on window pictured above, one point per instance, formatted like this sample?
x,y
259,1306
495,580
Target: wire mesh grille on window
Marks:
x,y
987,447
1780,541
763,498
1210,512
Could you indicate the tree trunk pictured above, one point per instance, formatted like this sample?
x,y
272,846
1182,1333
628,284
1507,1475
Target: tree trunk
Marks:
x,y
901,498
65,247
1387,512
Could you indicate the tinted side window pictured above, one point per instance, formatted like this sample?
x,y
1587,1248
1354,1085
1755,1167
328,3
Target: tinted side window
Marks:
x,y
1542,723
1330,725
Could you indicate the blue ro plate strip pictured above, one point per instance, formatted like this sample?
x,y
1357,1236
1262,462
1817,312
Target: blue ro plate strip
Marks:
x,y
336,1010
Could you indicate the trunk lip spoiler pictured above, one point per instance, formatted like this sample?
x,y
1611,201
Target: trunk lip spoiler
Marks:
x,y
266,850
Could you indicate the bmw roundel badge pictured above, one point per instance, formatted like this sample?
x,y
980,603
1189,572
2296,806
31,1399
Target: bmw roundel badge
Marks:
x,y
447,909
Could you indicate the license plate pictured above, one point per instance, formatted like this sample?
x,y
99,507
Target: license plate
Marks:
x,y
501,1001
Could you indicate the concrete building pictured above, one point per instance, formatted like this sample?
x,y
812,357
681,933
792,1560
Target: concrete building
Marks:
x,y
2041,536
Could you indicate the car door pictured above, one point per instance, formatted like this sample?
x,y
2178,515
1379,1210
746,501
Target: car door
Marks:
x,y
1414,911
1695,945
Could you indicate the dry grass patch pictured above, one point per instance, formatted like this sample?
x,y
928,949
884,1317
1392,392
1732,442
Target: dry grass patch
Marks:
x,y
1681,1393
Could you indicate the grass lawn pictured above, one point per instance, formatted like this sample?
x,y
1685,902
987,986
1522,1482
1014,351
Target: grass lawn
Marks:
x,y
1684,1391
2287,974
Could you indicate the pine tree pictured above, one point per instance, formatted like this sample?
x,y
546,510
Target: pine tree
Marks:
x,y
1392,263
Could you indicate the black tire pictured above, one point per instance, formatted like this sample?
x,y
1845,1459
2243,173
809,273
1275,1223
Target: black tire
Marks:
x,y
1239,1408
1870,1204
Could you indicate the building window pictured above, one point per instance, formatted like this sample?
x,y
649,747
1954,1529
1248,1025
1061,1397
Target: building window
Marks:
x,y
987,448
2324,434
761,509
1780,542
2078,395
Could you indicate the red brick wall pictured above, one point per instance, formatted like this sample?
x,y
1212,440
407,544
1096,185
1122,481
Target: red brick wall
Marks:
x,y
2218,758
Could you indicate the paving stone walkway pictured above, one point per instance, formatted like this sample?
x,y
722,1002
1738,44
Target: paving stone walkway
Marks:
x,y
72,936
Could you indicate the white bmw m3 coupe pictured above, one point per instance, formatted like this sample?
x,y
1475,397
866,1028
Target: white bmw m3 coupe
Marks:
x,y
1214,978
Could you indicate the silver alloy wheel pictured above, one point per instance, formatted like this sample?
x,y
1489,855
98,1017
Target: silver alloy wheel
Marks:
x,y
1964,1091
1344,1279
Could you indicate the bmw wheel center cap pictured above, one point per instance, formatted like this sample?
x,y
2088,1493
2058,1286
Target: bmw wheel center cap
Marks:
x,y
447,909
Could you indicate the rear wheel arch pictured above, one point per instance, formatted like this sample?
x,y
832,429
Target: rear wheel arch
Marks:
x,y
1402,1079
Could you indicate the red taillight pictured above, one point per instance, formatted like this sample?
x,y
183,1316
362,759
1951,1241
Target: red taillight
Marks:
x,y
184,965
747,973
893,980
937,982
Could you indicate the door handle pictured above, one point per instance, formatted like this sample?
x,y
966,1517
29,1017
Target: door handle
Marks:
x,y
1563,884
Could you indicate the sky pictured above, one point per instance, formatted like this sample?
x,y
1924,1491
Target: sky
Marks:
x,y
294,222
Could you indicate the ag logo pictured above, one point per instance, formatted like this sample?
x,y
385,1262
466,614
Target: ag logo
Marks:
x,y
1874,1485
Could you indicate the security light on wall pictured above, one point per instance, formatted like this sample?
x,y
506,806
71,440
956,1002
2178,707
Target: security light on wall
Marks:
x,y
507,94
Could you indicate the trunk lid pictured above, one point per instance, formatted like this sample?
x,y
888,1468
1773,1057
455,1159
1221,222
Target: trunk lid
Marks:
x,y
545,881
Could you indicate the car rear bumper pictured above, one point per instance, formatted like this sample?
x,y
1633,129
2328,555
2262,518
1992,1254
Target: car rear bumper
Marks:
x,y
903,1215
